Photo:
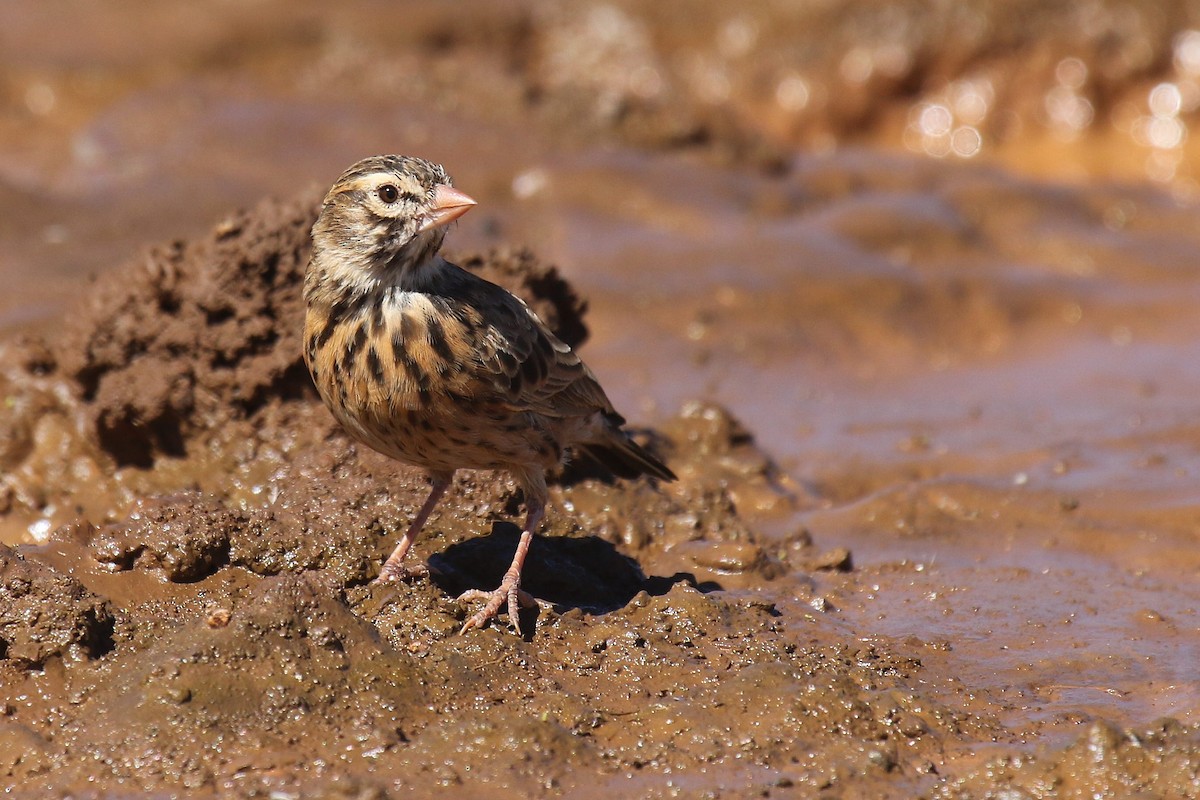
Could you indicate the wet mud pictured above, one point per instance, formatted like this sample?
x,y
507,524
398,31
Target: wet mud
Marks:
x,y
904,296
197,636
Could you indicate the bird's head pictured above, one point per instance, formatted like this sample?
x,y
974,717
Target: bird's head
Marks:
x,y
384,219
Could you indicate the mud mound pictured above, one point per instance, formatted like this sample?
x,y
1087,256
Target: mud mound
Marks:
x,y
193,333
46,615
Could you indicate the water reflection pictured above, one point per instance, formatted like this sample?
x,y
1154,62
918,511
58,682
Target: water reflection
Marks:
x,y
949,123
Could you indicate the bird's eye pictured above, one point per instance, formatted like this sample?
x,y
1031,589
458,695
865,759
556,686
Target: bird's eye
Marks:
x,y
388,193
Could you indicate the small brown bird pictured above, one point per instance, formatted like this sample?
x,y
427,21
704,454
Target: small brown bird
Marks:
x,y
436,367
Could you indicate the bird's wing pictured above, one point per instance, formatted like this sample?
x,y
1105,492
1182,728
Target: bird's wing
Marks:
x,y
524,366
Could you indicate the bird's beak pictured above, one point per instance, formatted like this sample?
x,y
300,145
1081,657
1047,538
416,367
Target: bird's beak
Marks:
x,y
448,205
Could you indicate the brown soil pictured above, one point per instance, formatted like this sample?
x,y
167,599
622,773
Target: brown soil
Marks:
x,y
934,419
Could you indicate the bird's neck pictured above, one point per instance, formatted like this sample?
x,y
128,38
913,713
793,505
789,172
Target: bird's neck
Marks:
x,y
339,280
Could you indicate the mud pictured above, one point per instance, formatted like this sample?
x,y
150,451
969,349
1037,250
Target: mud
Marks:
x,y
904,295
222,625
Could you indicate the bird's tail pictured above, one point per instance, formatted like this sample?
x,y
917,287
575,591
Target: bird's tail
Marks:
x,y
625,458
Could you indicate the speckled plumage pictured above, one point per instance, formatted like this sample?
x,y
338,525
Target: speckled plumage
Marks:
x,y
437,367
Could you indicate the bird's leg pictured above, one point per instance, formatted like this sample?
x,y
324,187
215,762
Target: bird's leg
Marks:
x,y
393,568
509,589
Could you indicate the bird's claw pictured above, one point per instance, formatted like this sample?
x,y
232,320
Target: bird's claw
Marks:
x,y
507,593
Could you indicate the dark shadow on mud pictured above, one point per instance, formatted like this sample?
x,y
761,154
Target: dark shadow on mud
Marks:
x,y
587,573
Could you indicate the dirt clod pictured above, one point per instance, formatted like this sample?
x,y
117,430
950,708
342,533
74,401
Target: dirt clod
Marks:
x,y
45,614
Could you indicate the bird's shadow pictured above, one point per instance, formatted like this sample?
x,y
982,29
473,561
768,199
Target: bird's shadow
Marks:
x,y
585,572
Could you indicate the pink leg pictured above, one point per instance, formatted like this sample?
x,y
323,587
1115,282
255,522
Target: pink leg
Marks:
x,y
393,568
509,589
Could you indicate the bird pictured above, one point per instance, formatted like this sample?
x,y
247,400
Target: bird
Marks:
x,y
441,369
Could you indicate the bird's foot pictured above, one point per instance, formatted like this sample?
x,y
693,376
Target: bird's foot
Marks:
x,y
509,591
402,572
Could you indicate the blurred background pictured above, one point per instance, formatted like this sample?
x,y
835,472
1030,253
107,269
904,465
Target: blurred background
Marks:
x,y
940,257
126,122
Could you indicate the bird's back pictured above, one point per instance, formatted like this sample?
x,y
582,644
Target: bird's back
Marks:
x,y
456,372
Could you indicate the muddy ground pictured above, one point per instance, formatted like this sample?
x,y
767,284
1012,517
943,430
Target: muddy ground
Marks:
x,y
904,296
